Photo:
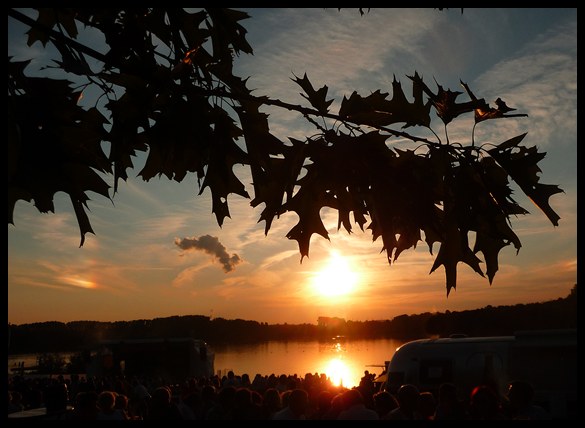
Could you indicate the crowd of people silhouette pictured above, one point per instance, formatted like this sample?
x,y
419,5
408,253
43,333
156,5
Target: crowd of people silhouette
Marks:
x,y
236,397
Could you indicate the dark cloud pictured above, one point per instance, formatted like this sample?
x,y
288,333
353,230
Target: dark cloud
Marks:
x,y
211,245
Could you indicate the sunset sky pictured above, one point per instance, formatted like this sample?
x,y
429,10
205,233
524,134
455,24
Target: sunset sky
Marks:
x,y
158,250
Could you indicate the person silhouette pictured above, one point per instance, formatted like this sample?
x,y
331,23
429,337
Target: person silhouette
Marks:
x,y
484,404
354,407
520,402
408,399
298,401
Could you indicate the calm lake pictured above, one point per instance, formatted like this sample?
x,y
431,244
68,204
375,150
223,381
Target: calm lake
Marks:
x,y
344,362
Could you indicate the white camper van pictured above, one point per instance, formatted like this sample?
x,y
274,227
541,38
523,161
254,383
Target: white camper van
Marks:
x,y
547,359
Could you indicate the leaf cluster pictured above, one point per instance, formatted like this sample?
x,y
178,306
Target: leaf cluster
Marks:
x,y
168,89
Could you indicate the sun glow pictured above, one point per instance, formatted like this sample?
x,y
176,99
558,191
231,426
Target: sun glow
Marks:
x,y
337,278
338,372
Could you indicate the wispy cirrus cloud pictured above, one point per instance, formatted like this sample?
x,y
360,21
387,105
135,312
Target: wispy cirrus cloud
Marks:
x,y
542,82
335,48
330,45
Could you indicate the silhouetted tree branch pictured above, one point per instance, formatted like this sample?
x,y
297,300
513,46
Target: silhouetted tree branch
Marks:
x,y
180,102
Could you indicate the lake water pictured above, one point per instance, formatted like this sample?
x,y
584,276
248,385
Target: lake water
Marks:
x,y
344,362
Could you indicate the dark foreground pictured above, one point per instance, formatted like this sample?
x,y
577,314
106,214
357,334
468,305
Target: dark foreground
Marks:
x,y
237,397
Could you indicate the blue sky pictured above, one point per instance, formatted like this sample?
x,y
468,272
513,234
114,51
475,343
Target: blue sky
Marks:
x,y
133,267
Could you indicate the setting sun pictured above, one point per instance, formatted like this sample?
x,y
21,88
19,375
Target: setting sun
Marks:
x,y
337,278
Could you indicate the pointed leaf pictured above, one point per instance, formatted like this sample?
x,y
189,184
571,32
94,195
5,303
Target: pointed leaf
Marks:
x,y
484,112
444,101
318,99
46,19
307,204
454,249
490,248
220,178
82,219
521,164
376,110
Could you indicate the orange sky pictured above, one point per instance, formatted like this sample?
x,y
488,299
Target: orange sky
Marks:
x,y
158,250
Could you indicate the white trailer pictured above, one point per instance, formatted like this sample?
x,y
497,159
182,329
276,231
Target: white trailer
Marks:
x,y
547,359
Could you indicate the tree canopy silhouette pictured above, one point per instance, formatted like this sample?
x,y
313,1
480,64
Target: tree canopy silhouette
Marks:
x,y
167,88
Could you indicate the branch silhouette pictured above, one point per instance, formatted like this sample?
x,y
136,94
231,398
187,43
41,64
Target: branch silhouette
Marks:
x,y
180,102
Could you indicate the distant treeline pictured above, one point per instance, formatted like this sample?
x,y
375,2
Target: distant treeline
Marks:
x,y
78,336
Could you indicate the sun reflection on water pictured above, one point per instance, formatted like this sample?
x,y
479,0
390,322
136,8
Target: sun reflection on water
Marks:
x,y
338,372
342,360
339,369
